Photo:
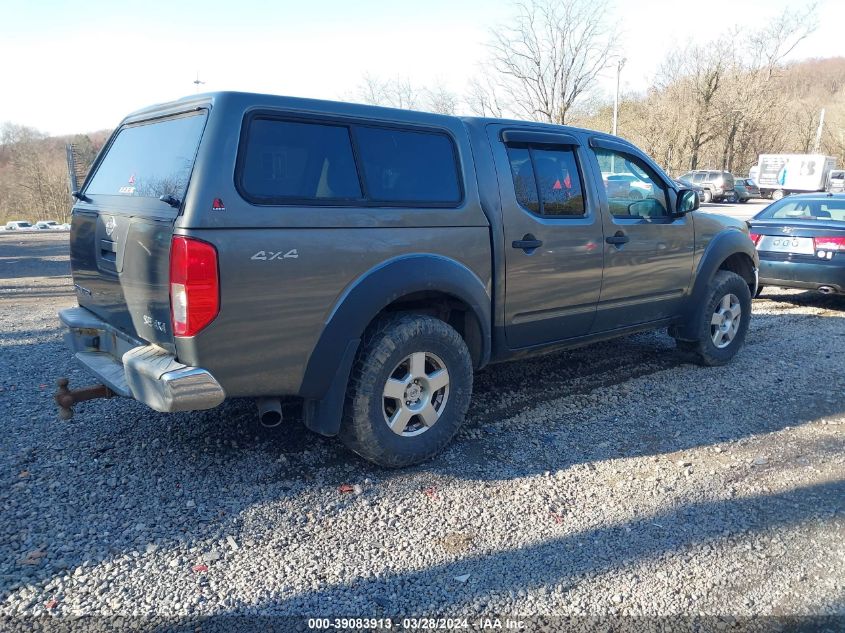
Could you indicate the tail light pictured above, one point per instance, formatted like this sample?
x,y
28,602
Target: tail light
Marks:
x,y
194,285
829,243
755,237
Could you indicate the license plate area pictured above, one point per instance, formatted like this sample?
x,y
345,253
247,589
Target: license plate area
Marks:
x,y
787,244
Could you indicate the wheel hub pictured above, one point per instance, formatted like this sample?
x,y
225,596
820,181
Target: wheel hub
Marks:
x,y
413,392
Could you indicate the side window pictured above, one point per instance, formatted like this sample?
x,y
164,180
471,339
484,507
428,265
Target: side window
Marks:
x,y
547,181
290,160
407,166
524,184
699,177
633,190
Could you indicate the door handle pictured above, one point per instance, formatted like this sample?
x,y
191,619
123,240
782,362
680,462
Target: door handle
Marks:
x,y
619,239
527,243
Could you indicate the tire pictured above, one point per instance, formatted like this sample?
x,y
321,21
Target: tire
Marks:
x,y
708,196
635,195
726,293
759,291
389,361
744,200
777,195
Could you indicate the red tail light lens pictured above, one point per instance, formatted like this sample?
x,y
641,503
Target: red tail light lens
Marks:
x,y
755,237
194,285
829,243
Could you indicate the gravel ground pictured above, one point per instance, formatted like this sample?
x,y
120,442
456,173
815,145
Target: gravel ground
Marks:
x,y
613,479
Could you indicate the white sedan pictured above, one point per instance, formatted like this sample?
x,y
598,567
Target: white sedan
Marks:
x,y
49,225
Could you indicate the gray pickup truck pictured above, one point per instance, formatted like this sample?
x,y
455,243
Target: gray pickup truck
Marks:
x,y
365,261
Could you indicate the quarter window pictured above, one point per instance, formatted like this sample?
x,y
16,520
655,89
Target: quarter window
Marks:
x,y
633,190
547,181
305,161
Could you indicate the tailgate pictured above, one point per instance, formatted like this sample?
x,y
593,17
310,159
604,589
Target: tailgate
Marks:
x,y
121,231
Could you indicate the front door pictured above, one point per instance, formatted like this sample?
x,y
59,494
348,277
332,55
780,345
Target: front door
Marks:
x,y
648,250
552,233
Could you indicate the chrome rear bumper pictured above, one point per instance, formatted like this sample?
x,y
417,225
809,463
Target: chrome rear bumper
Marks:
x,y
133,369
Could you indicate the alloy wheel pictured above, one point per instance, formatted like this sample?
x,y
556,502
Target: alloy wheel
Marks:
x,y
415,394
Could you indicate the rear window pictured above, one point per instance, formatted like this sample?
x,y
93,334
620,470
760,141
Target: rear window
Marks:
x,y
405,166
150,160
803,209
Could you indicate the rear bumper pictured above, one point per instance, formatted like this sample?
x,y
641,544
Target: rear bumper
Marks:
x,y
136,370
802,274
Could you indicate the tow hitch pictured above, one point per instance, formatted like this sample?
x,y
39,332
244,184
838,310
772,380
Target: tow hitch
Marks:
x,y
66,398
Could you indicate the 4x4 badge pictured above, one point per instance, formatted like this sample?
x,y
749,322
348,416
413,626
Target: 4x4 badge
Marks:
x,y
270,255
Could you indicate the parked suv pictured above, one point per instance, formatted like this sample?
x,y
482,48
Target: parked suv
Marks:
x,y
718,185
752,189
366,261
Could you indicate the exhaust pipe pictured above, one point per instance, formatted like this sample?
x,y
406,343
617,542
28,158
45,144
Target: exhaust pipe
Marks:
x,y
269,412
826,290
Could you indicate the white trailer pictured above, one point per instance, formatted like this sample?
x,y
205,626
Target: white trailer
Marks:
x,y
779,175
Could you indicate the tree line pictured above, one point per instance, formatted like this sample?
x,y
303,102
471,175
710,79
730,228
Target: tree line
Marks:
x,y
716,105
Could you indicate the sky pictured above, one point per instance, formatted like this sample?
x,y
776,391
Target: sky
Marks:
x,y
71,67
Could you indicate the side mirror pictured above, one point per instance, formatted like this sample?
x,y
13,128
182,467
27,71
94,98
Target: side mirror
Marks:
x,y
687,201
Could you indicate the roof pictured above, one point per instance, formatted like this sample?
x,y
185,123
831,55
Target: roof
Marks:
x,y
360,109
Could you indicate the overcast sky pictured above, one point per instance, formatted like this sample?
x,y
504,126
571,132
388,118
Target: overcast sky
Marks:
x,y
73,67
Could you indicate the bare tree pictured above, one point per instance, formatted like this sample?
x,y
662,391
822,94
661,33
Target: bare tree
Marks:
x,y
770,45
39,179
393,93
550,53
482,96
441,100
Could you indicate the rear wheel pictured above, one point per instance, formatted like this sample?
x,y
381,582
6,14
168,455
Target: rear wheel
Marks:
x,y
759,291
721,323
777,195
409,390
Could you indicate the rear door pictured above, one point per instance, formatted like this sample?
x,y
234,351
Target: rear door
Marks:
x,y
648,253
553,236
121,229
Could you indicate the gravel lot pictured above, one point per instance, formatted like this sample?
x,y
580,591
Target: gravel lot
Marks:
x,y
613,479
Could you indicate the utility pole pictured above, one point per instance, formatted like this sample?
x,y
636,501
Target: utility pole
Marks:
x,y
818,142
619,66
197,83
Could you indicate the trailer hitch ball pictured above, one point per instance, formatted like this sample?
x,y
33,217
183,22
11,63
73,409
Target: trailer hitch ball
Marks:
x,y
65,398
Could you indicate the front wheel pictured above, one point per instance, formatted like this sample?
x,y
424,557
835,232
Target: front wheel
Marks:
x,y
708,195
777,195
409,390
721,321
